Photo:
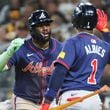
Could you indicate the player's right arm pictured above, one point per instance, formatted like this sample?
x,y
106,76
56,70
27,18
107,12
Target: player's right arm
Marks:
x,y
6,55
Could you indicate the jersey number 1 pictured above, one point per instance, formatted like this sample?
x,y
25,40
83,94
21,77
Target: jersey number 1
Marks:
x,y
91,78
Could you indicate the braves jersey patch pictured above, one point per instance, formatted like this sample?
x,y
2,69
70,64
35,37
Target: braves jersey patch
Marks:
x,y
61,55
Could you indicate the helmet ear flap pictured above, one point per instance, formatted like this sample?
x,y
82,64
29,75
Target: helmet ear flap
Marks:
x,y
84,16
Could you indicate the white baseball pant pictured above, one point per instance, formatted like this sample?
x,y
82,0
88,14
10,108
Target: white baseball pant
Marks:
x,y
92,103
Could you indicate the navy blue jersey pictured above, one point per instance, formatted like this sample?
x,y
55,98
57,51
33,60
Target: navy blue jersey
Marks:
x,y
85,57
33,67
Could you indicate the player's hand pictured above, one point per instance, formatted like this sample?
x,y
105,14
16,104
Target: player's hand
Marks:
x,y
102,24
15,45
44,106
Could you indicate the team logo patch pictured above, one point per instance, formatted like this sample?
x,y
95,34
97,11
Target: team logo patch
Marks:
x,y
42,16
61,55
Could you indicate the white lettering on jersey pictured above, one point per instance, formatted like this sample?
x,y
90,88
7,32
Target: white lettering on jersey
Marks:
x,y
95,49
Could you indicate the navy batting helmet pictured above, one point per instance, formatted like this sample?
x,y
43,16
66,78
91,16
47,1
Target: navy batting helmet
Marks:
x,y
39,17
84,16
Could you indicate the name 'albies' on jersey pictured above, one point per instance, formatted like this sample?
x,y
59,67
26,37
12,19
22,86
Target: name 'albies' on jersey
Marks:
x,y
85,56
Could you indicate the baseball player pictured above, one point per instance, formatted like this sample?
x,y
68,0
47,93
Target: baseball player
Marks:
x,y
34,62
80,64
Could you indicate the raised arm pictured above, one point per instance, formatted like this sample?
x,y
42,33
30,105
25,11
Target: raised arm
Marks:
x,y
6,55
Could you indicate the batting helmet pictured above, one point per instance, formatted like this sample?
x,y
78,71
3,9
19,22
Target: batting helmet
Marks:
x,y
39,17
85,16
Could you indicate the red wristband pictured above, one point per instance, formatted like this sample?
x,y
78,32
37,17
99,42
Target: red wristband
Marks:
x,y
45,106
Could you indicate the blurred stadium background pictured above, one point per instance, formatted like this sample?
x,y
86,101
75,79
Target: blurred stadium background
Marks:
x,y
13,23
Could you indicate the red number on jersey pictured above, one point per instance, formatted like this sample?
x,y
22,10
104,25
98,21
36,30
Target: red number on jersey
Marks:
x,y
91,78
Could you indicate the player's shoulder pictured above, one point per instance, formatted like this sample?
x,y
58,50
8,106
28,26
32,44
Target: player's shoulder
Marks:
x,y
27,41
73,38
23,46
